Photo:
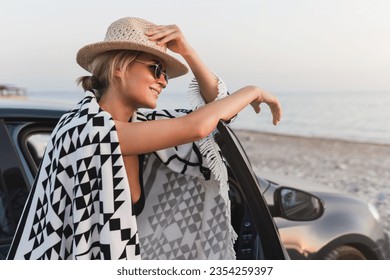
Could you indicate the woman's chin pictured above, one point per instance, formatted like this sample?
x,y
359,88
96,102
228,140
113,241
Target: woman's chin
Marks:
x,y
149,106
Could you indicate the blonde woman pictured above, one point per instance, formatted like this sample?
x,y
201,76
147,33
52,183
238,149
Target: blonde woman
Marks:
x,y
117,182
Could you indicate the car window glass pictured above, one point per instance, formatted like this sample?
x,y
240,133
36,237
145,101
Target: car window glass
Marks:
x,y
36,145
13,189
5,222
13,194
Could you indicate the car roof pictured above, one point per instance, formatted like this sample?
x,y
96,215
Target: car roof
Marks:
x,y
26,107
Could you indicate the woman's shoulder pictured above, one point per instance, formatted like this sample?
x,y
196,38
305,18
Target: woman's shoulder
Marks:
x,y
86,113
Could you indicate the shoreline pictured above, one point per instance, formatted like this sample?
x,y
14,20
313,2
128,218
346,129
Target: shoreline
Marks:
x,y
358,168
314,137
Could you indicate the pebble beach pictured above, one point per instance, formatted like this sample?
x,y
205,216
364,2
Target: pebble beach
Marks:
x,y
362,169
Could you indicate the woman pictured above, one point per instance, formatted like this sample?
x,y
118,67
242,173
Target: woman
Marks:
x,y
153,187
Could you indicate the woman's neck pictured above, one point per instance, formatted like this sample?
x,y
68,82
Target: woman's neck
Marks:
x,y
115,106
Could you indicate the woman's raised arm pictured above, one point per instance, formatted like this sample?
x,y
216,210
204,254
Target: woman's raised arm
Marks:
x,y
155,135
172,36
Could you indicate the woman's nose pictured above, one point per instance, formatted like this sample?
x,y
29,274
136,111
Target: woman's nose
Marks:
x,y
162,81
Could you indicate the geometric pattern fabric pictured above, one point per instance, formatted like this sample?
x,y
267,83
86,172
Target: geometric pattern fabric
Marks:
x,y
184,216
79,206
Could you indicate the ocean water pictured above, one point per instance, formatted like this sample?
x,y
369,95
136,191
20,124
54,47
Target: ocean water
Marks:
x,y
355,116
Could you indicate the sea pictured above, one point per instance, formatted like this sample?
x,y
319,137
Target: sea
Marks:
x,y
352,116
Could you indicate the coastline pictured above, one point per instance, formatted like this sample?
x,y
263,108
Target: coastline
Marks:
x,y
358,168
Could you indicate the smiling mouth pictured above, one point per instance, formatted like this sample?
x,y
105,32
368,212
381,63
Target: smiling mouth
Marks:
x,y
155,92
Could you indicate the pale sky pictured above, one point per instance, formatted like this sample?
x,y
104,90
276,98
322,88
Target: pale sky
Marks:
x,y
279,45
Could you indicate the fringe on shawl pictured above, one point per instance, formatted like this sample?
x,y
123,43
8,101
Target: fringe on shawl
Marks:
x,y
210,150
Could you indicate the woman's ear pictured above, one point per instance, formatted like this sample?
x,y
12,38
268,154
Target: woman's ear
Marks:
x,y
118,73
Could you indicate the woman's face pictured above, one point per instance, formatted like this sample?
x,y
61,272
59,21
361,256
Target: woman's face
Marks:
x,y
139,87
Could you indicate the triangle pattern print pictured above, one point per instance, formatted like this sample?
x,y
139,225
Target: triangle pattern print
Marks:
x,y
79,207
184,216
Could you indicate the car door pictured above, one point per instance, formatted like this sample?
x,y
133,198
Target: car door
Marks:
x,y
251,218
14,189
21,149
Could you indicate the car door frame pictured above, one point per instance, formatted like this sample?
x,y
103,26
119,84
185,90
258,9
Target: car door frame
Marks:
x,y
240,165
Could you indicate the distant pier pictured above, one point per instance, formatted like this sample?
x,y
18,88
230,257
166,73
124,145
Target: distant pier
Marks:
x,y
11,91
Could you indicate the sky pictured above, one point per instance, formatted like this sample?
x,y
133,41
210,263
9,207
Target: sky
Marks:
x,y
278,45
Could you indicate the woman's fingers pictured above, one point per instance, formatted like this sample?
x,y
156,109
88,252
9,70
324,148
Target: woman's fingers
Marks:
x,y
161,33
169,35
274,105
276,110
256,107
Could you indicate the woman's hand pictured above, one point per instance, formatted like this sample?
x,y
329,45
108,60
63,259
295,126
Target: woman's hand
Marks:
x,y
172,36
271,101
174,39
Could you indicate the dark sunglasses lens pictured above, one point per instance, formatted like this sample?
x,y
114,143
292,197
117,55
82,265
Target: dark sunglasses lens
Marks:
x,y
159,71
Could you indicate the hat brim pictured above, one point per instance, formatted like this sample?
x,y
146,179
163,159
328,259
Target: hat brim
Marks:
x,y
87,54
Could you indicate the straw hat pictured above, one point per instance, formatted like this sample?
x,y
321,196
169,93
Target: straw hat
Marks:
x,y
129,34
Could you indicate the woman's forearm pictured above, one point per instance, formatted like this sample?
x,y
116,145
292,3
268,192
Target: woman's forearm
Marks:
x,y
191,127
208,116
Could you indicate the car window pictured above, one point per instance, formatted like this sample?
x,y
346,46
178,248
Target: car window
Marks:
x,y
36,145
13,189
5,222
13,194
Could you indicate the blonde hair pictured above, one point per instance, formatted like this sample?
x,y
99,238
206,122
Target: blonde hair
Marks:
x,y
102,69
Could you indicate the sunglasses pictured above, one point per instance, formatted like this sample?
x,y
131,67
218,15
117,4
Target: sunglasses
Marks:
x,y
157,69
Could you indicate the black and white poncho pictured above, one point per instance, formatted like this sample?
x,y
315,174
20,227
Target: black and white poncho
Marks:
x,y
80,206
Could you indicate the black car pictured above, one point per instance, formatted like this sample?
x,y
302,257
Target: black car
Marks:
x,y
264,214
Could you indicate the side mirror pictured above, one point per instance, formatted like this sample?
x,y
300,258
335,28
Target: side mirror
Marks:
x,y
296,205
